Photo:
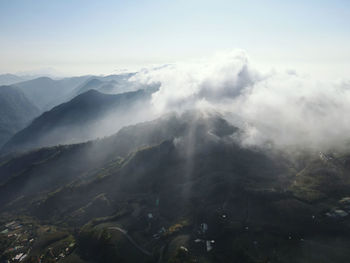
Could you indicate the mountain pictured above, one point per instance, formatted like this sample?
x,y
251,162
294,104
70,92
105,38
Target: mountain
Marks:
x,y
16,111
112,84
45,92
177,189
9,79
108,87
87,116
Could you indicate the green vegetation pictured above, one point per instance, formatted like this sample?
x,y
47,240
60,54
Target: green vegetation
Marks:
x,y
138,196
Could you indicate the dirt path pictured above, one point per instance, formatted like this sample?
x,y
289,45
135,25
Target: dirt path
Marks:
x,y
125,233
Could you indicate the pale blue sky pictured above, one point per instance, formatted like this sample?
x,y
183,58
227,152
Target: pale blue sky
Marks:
x,y
84,36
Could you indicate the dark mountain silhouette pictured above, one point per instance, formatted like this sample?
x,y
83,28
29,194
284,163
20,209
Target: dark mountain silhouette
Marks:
x,y
16,111
75,121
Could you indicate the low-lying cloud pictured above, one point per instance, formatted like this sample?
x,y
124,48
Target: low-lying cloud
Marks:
x,y
212,80
280,108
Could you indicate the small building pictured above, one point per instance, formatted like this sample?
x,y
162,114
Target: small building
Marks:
x,y
345,201
17,257
23,257
337,213
341,213
156,236
209,245
184,249
204,228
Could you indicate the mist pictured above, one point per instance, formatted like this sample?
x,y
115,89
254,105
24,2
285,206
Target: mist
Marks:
x,y
283,110
279,109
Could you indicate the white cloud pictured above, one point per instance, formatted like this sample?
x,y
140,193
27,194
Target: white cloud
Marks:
x,y
214,79
285,109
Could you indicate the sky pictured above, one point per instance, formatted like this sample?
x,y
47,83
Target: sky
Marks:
x,y
77,37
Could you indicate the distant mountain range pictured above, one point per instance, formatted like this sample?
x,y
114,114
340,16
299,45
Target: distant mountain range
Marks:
x,y
109,84
87,116
8,79
71,111
46,93
16,112
112,84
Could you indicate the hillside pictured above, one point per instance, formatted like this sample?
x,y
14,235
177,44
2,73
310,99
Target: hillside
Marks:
x,y
157,191
77,120
16,111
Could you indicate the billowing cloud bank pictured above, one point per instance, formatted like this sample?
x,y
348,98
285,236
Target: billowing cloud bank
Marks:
x,y
282,109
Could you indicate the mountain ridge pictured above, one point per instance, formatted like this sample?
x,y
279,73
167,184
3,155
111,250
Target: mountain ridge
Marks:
x,y
16,111
74,120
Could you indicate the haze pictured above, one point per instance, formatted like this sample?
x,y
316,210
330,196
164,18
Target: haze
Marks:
x,y
174,131
103,37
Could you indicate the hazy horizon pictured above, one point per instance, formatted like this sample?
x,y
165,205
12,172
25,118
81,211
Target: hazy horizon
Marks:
x,y
66,38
